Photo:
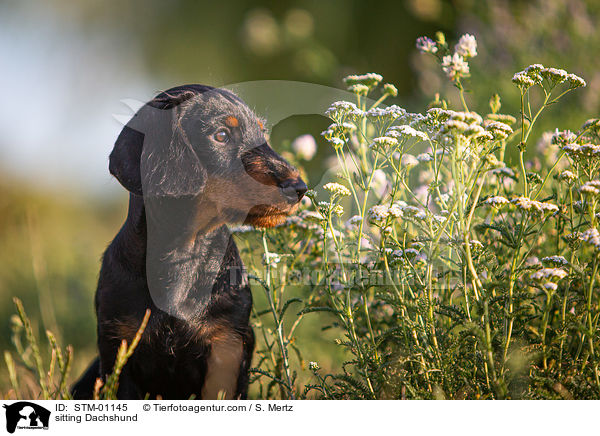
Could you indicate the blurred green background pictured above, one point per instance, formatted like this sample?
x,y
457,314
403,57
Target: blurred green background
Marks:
x,y
67,67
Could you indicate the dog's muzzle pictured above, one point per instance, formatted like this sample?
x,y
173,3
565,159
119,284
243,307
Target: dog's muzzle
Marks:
x,y
293,190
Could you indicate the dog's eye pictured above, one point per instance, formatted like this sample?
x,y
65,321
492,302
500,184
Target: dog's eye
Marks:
x,y
221,136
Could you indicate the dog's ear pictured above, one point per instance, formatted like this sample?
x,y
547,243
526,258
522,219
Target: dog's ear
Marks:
x,y
124,160
152,155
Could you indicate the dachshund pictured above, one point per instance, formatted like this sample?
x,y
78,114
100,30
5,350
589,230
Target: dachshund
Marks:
x,y
194,159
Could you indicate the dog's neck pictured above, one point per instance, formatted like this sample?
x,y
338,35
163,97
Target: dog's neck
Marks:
x,y
185,251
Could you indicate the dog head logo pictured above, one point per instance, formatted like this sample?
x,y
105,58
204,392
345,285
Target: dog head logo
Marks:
x,y
26,415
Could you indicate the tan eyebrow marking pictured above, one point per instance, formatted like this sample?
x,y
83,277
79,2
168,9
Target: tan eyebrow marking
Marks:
x,y
232,121
260,124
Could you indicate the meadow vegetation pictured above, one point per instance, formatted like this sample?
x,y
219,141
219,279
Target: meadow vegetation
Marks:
x,y
444,261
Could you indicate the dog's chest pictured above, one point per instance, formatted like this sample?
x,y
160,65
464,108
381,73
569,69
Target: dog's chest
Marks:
x,y
204,362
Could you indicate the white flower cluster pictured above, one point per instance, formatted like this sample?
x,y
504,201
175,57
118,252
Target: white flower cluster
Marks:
x,y
498,129
407,131
591,124
339,109
337,189
465,124
536,73
359,89
567,176
390,90
545,274
556,75
496,201
563,137
426,45
378,213
378,113
580,152
381,212
371,80
555,260
592,237
384,141
466,46
534,206
590,188
455,66
523,80
337,209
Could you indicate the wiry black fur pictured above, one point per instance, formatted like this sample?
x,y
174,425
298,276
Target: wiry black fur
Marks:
x,y
171,359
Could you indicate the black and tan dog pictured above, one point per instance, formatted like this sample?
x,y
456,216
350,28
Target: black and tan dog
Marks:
x,y
193,159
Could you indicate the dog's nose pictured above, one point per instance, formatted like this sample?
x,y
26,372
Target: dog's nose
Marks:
x,y
293,189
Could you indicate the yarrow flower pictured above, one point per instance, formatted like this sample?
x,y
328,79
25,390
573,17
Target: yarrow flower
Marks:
x,y
426,45
555,260
390,89
455,66
590,188
534,68
591,124
455,125
407,130
313,366
579,152
555,75
371,80
522,80
395,210
563,137
337,210
337,189
549,274
496,201
337,142
567,176
378,213
467,46
592,237
378,114
498,129
439,114
575,81
385,141
359,89
534,206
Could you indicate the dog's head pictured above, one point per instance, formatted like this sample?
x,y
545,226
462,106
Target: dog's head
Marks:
x,y
204,144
